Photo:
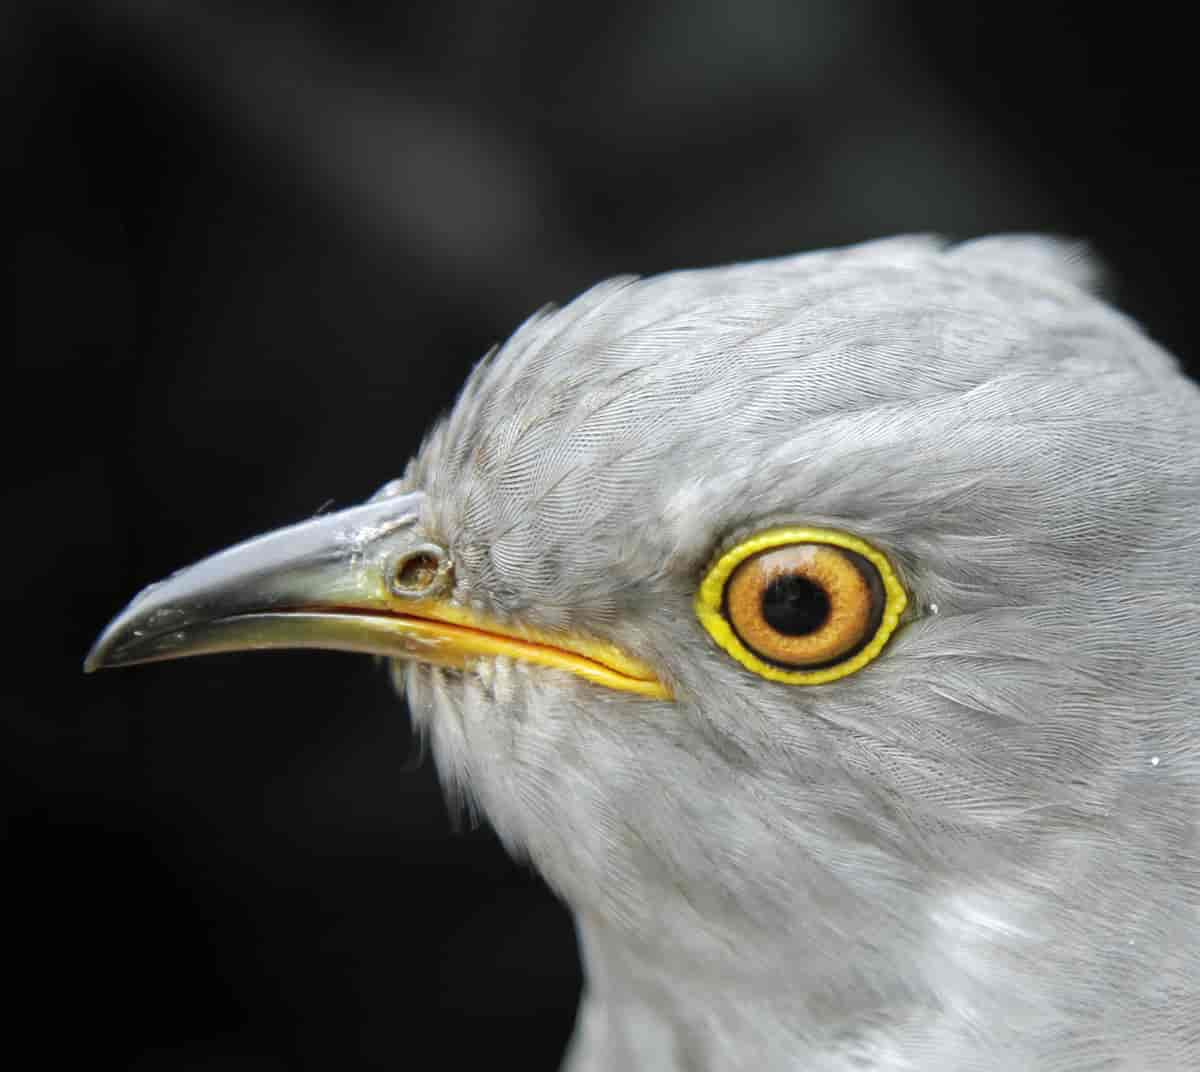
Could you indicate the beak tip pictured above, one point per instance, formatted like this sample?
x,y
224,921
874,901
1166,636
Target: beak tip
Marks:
x,y
113,646
98,657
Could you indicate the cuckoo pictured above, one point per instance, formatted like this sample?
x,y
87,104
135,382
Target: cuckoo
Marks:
x,y
826,631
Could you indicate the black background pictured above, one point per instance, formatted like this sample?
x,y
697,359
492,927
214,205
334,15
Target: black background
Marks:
x,y
257,247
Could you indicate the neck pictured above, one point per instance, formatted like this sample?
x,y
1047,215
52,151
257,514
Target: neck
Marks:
x,y
672,1005
975,988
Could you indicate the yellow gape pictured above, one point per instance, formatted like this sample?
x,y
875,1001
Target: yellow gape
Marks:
x,y
799,605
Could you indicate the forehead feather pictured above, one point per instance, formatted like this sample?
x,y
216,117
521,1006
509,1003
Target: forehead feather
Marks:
x,y
643,397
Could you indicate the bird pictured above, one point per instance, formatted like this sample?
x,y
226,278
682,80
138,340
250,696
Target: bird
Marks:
x,y
823,629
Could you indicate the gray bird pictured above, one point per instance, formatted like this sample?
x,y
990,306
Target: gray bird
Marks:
x,y
825,631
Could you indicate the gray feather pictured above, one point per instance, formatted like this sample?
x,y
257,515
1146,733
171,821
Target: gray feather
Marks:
x,y
980,853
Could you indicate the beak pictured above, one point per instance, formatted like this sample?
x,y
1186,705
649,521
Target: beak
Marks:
x,y
358,580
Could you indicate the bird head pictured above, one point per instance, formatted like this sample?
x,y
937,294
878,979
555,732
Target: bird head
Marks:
x,y
808,620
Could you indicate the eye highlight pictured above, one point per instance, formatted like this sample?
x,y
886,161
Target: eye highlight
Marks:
x,y
799,605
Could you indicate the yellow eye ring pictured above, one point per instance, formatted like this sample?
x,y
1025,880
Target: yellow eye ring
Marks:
x,y
761,555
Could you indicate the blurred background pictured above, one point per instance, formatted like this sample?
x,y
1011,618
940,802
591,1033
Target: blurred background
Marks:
x,y
256,248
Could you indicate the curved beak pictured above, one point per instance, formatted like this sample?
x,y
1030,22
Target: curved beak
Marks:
x,y
329,583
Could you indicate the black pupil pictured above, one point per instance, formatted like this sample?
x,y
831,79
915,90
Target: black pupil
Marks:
x,y
794,605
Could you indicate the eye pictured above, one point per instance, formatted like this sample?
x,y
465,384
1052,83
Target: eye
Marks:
x,y
803,606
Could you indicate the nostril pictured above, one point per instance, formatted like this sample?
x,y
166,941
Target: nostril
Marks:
x,y
417,571
420,571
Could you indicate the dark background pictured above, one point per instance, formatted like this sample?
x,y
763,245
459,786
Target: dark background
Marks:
x,y
257,247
